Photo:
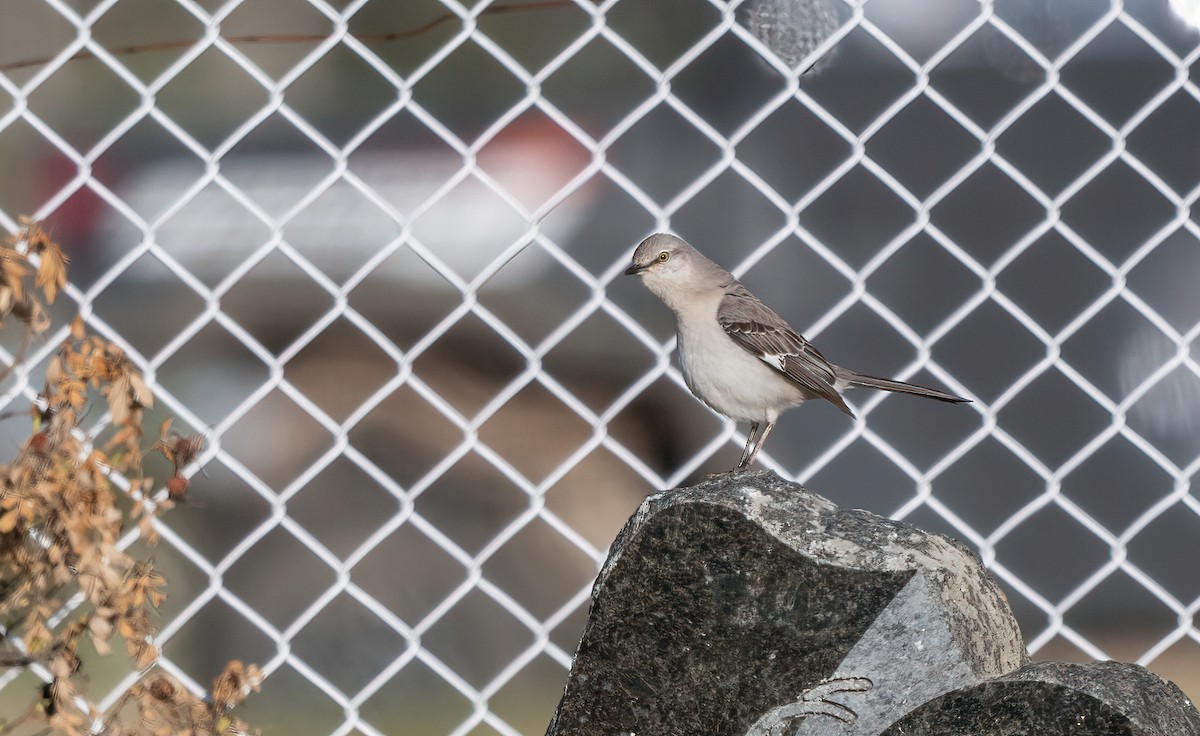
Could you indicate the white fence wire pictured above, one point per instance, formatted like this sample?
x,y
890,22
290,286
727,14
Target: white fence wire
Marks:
x,y
381,274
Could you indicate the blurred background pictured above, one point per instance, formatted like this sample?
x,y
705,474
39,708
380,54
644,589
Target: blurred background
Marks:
x,y
375,259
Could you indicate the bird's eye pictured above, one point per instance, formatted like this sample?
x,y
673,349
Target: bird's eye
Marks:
x,y
662,257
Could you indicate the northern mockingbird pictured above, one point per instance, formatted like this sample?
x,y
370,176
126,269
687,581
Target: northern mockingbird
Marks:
x,y
737,355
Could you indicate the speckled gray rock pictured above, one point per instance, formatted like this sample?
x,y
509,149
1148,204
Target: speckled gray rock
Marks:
x,y
1057,699
749,605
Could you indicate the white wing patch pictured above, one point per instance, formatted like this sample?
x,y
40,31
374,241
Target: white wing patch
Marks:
x,y
776,360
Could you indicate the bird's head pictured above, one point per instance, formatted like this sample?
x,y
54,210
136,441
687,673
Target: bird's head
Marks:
x,y
669,267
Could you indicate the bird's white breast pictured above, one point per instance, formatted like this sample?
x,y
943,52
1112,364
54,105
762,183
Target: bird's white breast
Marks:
x,y
728,377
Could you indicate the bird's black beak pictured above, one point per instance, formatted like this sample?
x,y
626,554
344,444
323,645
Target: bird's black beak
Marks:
x,y
635,269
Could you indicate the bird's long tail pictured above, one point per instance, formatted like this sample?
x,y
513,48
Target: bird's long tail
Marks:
x,y
853,379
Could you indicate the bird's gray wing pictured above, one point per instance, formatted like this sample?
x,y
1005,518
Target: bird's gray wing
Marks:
x,y
758,329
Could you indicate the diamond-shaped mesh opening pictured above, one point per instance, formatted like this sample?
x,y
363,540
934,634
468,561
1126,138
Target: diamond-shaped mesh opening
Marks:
x,y
986,76
485,90
211,233
416,49
1168,141
1160,545
895,283
858,215
190,376
276,165
127,24
1144,619
1053,144
725,82
1163,279
793,150
477,638
416,700
95,87
279,593
348,644
1037,418
1052,281
1132,74
1117,349
51,171
665,426
42,32
987,485
1117,211
469,364
1167,416
728,210
922,147
665,32
1052,534
922,430
342,506
471,503
659,135
1116,484
533,273
861,477
404,162
405,436
597,87
992,365
533,159
276,300
277,440
598,361
467,246
340,230
567,570
591,223
150,169
405,298
987,214
212,637
160,293
213,95
280,17
340,369
596,517
535,39
366,94
863,80
411,592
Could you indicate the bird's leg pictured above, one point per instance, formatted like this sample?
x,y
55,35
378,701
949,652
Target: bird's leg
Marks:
x,y
745,451
749,444
748,460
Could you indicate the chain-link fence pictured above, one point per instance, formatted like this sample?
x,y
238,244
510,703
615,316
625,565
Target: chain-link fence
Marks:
x,y
372,251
